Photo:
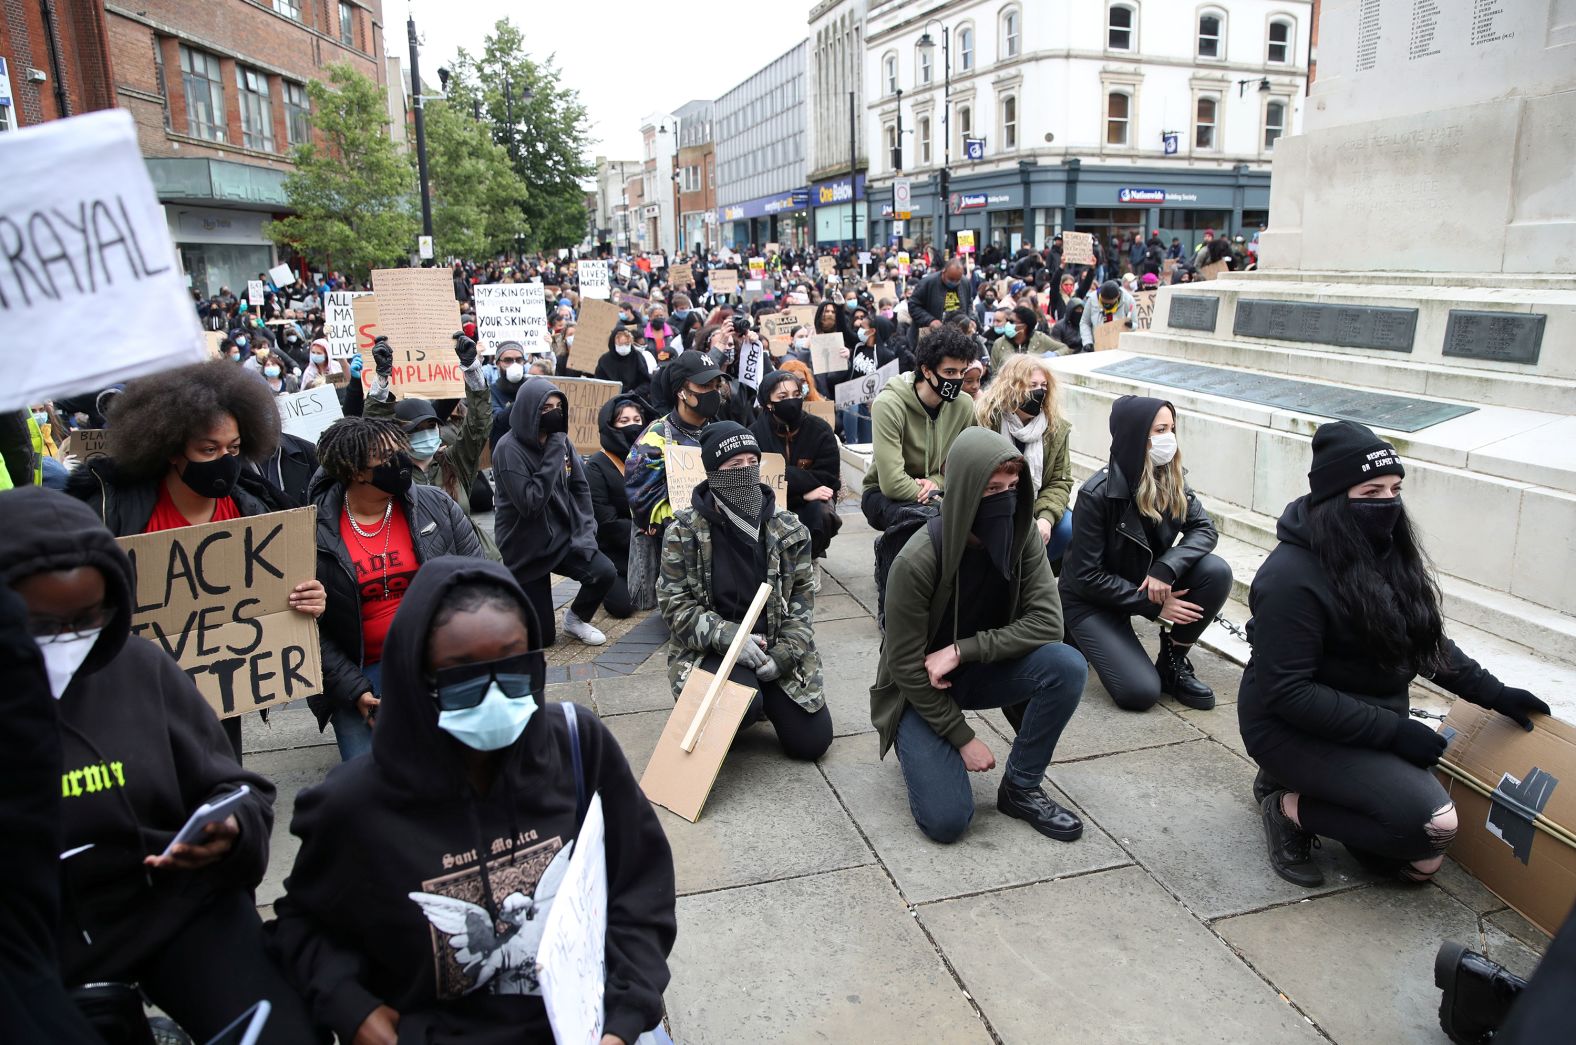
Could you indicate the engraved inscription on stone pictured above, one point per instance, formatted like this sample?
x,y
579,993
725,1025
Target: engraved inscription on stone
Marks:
x,y
1367,34
1350,326
1193,312
1504,337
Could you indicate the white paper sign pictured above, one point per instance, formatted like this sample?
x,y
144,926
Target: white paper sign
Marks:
x,y
281,275
339,323
91,270
594,281
254,292
511,312
571,960
424,247
752,363
623,270
306,414
856,391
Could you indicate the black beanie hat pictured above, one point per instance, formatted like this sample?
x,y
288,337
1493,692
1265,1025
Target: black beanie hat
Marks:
x,y
1346,453
1110,290
721,440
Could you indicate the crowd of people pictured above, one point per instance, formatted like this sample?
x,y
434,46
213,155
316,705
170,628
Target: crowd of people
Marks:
x,y
429,856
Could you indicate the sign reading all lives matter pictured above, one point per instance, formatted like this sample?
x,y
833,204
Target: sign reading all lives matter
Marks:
x,y
572,954
511,312
594,280
216,597
339,323
89,269
416,310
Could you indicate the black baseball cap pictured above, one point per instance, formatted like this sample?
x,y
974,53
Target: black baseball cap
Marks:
x,y
413,413
693,366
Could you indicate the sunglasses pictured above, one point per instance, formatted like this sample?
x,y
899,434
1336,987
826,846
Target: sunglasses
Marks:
x,y
464,685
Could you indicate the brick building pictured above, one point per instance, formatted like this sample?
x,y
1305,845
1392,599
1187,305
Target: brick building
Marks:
x,y
54,61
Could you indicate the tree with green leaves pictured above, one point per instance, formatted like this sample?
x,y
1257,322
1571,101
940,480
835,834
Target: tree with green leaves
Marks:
x,y
540,125
353,189
476,194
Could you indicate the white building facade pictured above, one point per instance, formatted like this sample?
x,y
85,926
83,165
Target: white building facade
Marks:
x,y
656,230
1110,116
607,217
836,156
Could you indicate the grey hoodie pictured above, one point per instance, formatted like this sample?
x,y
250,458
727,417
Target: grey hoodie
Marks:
x,y
544,500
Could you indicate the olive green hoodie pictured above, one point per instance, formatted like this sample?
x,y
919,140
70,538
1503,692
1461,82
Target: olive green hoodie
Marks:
x,y
906,444
921,584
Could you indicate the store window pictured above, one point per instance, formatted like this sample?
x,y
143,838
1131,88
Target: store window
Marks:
x,y
297,111
1279,51
1121,23
1204,123
1274,123
204,89
1211,40
1118,107
966,48
1009,122
1011,32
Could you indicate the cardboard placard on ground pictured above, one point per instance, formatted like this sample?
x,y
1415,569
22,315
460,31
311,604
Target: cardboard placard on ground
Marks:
x,y
281,275
826,264
572,955
592,331
306,414
216,597
826,353
85,443
1077,248
682,782
1108,335
1145,315
511,312
586,397
92,272
1215,269
856,391
680,276
724,281
418,313
685,472
594,281
825,409
339,323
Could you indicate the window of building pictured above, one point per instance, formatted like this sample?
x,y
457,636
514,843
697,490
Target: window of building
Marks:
x,y
347,24
924,141
1204,123
1279,42
5,119
922,62
1211,42
889,73
1120,22
1118,108
1011,32
1274,123
966,48
204,94
889,132
288,8
965,126
297,111
257,112
1009,122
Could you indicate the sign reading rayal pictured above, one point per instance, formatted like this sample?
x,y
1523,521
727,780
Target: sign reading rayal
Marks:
x,y
216,597
511,312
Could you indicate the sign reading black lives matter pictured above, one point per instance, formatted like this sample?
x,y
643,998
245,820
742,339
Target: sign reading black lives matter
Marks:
x,y
89,268
216,597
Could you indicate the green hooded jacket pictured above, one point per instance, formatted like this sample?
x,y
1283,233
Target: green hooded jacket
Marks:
x,y
920,585
906,444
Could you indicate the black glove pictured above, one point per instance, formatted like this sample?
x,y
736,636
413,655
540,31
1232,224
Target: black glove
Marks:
x,y
1419,744
1517,705
464,349
383,357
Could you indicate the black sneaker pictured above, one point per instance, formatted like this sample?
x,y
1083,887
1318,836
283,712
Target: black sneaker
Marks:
x,y
1177,679
1032,804
1477,994
1291,848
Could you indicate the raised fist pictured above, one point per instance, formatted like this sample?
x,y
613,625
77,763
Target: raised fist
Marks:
x,y
464,349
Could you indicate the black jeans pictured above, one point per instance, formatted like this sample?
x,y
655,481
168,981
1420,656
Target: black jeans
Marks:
x,y
596,575
804,735
1106,639
821,519
613,539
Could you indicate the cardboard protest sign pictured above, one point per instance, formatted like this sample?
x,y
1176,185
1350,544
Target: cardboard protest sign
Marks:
x,y
306,414
757,268
586,397
626,298
826,264
89,263
281,275
778,328
572,956
623,270
680,276
827,353
595,327
511,312
885,291
856,391
216,597
1215,269
825,409
685,472
594,282
1077,248
214,340
864,259
364,324
418,313
1107,335
86,443
752,363
965,241
339,323
773,248
255,292
724,281
1145,315
1167,267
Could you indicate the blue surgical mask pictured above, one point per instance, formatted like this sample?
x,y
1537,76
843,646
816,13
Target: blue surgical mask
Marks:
x,y
491,725
425,443
41,416
851,305
1005,330
863,335
270,371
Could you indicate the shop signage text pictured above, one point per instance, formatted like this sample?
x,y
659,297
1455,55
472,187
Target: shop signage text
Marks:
x,y
1127,195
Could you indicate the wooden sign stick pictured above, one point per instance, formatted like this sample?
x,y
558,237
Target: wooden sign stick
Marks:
x,y
746,626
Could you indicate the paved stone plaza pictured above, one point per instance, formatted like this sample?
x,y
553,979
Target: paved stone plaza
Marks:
x,y
812,910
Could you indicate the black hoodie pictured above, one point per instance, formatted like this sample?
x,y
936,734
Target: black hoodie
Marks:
x,y
140,749
407,821
544,501
810,450
605,475
629,371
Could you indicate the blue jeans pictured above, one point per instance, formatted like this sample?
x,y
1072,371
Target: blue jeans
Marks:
x,y
1050,679
1061,537
856,424
351,731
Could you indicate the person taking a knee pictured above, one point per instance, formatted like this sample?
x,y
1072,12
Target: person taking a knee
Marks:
x,y
809,448
1022,405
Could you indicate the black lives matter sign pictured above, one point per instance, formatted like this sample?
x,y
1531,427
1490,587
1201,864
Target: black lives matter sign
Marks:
x,y
217,598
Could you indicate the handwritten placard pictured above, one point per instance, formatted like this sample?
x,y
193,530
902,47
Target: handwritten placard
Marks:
x,y
685,472
86,443
416,310
339,323
680,276
586,398
752,363
511,312
826,264
826,353
1145,312
594,281
1077,248
572,955
281,275
306,414
884,291
1108,335
857,391
592,333
255,292
724,281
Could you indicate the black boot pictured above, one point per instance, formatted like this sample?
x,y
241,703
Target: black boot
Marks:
x,y
1291,848
1177,679
1263,785
1478,994
1035,806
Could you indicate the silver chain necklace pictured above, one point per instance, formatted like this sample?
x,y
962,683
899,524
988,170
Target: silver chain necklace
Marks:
x,y
388,512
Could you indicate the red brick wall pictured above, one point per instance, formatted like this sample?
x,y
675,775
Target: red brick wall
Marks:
x,y
78,26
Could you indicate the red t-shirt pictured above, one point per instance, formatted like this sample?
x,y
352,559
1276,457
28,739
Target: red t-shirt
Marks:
x,y
367,554
168,517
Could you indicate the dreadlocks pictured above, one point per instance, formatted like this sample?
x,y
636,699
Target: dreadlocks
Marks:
x,y
354,444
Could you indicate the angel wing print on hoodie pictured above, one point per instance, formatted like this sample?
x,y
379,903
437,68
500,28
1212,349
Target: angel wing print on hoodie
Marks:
x,y
504,962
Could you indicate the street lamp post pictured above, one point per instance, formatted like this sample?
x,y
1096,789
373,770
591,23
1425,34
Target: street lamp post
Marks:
x,y
421,130
944,180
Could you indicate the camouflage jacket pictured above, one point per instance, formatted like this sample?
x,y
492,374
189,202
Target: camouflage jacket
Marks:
x,y
683,596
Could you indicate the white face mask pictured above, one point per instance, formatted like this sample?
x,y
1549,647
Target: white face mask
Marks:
x,y
1162,448
515,372
622,350
64,655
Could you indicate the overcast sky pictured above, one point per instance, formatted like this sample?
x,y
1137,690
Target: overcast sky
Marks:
x,y
626,58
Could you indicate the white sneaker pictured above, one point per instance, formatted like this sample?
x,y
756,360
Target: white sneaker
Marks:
x,y
579,629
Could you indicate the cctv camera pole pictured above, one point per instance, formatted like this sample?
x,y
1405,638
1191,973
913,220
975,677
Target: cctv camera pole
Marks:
x,y
421,131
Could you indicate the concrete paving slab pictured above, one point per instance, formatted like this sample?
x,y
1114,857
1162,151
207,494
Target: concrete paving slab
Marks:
x,y
832,958
1498,945
290,771
995,852
1459,883
575,692
1106,957
1219,723
293,725
1099,727
1513,924
1187,814
850,651
628,694
1361,964
767,817
837,607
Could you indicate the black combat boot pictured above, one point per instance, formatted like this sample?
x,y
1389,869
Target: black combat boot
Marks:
x,y
1477,994
1177,679
1291,848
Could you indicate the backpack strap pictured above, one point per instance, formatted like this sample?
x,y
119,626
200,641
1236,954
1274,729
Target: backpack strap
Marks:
x,y
576,763
933,527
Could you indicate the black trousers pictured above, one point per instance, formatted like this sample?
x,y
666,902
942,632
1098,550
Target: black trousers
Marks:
x,y
821,519
880,510
1106,639
596,574
613,539
804,735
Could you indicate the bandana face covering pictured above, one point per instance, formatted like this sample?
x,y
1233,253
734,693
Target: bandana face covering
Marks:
x,y
738,494
1377,518
64,655
993,526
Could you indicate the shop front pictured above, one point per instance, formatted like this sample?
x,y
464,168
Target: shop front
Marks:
x,y
1120,201
840,212
781,218
216,211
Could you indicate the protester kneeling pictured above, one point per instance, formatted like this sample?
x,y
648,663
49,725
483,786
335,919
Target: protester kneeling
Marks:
x,y
426,872
973,621
141,750
1345,615
715,556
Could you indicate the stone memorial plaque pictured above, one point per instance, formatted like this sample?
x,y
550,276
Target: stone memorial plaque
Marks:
x,y
1504,337
1193,312
1379,409
1350,326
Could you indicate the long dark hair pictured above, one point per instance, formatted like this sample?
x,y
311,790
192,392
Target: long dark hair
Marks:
x,y
1391,601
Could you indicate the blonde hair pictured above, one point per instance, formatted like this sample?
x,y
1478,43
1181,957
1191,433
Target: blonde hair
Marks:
x,y
1010,389
1161,491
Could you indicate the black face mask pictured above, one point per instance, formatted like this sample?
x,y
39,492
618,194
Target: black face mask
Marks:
x,y
393,475
993,526
1377,518
788,411
1035,403
553,421
707,404
215,478
619,440
946,387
